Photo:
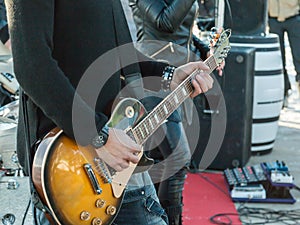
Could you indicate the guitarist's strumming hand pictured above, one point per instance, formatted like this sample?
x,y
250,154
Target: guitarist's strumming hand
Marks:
x,y
202,82
119,150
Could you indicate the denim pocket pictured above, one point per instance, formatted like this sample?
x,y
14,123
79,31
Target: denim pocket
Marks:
x,y
154,207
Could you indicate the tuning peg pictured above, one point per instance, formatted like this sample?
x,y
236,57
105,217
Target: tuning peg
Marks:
x,y
214,29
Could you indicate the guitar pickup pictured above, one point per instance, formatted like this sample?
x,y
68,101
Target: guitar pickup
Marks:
x,y
95,184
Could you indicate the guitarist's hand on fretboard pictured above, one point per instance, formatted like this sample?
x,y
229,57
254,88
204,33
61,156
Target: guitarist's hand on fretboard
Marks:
x,y
119,150
201,82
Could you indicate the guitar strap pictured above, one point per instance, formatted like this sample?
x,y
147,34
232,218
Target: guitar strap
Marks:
x,y
36,201
129,19
131,73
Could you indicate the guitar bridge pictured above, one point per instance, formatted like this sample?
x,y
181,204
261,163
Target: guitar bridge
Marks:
x,y
103,170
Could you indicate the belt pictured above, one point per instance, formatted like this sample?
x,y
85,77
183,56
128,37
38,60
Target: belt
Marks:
x,y
291,17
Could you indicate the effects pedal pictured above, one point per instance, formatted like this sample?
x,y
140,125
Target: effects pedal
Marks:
x,y
281,177
278,166
251,191
245,175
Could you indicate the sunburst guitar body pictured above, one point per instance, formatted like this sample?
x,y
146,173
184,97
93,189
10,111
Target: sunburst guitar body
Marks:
x,y
74,183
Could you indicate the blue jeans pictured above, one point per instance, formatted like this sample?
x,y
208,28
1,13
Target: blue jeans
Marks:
x,y
170,150
141,207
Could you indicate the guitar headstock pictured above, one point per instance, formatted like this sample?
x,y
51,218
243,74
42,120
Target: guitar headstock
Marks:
x,y
219,43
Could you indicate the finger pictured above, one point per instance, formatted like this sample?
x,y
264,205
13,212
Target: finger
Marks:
x,y
118,164
134,147
197,88
134,158
124,164
220,72
193,66
220,69
117,168
202,66
108,158
209,80
205,81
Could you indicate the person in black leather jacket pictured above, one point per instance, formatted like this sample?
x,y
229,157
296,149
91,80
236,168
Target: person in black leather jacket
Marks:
x,y
164,31
169,21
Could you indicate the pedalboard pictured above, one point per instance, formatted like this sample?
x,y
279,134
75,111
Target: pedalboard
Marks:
x,y
264,182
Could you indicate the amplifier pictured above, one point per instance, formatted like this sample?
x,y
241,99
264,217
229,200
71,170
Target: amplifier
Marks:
x,y
237,89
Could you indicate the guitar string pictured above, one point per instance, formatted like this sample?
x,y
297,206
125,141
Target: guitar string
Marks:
x,y
187,86
178,92
141,132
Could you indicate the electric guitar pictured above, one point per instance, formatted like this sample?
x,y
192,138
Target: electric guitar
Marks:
x,y
78,187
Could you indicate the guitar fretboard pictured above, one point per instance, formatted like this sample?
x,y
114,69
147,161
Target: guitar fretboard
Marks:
x,y
167,106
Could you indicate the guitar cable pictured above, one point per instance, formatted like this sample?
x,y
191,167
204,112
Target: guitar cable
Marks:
x,y
26,212
229,13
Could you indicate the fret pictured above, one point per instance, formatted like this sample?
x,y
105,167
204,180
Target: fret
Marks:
x,y
189,87
180,94
153,120
151,124
159,114
145,127
156,118
211,63
137,135
165,109
173,105
184,91
131,134
175,98
141,132
169,105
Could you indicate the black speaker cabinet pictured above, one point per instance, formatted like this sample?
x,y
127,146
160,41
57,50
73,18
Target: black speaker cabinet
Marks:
x,y
237,88
246,17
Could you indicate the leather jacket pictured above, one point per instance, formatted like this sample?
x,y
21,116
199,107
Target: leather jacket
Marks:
x,y
169,21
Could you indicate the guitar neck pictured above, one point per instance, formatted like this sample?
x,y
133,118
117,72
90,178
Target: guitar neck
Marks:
x,y
166,107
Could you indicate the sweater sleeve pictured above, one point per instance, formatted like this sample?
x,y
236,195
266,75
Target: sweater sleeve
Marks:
x,y
151,68
31,25
165,17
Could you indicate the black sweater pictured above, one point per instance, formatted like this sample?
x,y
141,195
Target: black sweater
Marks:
x,y
53,44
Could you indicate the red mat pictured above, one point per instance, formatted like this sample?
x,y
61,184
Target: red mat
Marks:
x,y
206,195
